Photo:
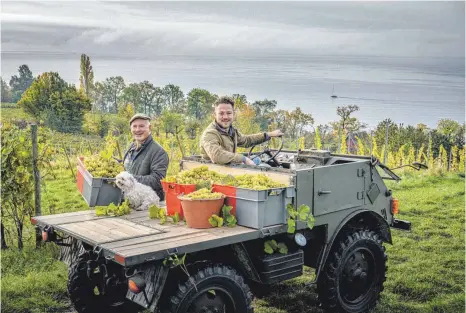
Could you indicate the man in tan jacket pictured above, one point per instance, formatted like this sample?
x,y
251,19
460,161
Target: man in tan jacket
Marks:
x,y
220,139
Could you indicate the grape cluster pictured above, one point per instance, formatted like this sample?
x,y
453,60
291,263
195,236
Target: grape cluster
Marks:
x,y
203,194
98,166
201,174
257,182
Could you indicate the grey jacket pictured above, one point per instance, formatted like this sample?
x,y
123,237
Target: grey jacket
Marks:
x,y
148,165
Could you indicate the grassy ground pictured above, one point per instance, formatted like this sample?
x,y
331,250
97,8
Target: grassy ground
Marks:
x,y
426,266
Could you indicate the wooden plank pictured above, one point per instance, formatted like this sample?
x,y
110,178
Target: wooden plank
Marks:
x,y
151,238
117,232
127,226
283,178
72,219
51,216
84,233
164,245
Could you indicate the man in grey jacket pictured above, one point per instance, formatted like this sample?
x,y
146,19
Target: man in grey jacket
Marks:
x,y
145,158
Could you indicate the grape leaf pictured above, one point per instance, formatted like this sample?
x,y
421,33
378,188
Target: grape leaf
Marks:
x,y
303,212
282,248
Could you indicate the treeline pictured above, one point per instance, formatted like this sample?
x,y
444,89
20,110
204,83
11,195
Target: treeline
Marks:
x,y
97,107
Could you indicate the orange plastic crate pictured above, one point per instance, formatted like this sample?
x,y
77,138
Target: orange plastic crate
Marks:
x,y
172,191
230,193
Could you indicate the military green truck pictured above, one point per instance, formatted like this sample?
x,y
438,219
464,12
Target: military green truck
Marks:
x,y
133,263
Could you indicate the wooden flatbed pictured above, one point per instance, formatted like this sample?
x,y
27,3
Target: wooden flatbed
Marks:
x,y
135,238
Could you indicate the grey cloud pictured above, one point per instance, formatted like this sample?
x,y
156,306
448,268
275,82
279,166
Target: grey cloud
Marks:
x,y
222,28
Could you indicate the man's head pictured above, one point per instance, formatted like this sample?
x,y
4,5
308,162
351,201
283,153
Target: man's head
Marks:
x,y
224,111
140,127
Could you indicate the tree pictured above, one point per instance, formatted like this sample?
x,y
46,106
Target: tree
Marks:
x,y
20,83
52,99
172,122
263,109
130,94
393,135
199,103
448,128
86,78
240,101
174,98
297,120
147,93
346,122
108,93
318,142
6,92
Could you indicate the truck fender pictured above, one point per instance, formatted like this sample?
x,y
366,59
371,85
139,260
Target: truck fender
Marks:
x,y
382,224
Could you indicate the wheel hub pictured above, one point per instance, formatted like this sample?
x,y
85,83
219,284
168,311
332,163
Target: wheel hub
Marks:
x,y
355,283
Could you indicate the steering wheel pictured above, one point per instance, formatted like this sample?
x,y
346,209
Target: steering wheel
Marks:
x,y
269,153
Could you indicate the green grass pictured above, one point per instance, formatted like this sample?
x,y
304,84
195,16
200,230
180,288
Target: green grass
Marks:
x,y
426,266
9,111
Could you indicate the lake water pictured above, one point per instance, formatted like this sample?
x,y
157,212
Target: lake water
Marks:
x,y
407,90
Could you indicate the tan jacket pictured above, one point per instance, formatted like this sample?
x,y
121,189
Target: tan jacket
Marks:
x,y
220,148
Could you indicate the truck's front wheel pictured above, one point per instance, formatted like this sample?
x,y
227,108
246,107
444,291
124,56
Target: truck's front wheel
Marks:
x,y
213,289
86,295
354,273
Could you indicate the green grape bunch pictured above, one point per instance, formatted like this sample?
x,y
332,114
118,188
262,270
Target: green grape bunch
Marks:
x,y
98,166
203,194
202,176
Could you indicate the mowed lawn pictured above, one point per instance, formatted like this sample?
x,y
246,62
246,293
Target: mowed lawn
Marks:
x,y
426,266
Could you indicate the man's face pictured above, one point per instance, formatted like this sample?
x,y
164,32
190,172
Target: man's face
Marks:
x,y
140,129
224,115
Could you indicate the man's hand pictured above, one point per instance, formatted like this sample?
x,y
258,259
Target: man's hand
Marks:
x,y
275,133
248,161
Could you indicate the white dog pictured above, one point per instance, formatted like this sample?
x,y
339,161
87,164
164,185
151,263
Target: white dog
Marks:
x,y
140,196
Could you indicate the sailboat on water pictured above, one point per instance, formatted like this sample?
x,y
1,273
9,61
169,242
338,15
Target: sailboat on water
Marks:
x,y
333,92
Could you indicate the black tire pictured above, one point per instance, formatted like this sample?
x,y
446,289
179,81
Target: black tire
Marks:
x,y
84,297
354,273
194,295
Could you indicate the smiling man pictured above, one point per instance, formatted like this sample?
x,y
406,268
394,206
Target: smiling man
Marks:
x,y
220,139
145,158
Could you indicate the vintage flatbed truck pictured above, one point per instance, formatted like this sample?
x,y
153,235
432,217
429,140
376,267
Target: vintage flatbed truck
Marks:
x,y
128,263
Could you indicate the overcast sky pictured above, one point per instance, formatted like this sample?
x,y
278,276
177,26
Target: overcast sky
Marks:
x,y
223,28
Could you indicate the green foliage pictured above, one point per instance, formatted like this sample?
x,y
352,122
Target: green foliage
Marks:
x,y
19,84
17,183
174,98
230,220
5,91
61,106
317,140
263,108
271,246
113,210
216,221
303,214
199,103
172,123
86,77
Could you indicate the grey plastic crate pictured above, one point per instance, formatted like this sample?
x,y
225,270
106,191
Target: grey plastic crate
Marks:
x,y
96,191
261,208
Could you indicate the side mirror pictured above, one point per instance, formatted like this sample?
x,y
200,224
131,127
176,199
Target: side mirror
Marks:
x,y
416,165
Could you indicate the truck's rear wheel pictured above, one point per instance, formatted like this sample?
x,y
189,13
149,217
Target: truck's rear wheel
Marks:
x,y
354,273
213,289
85,293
